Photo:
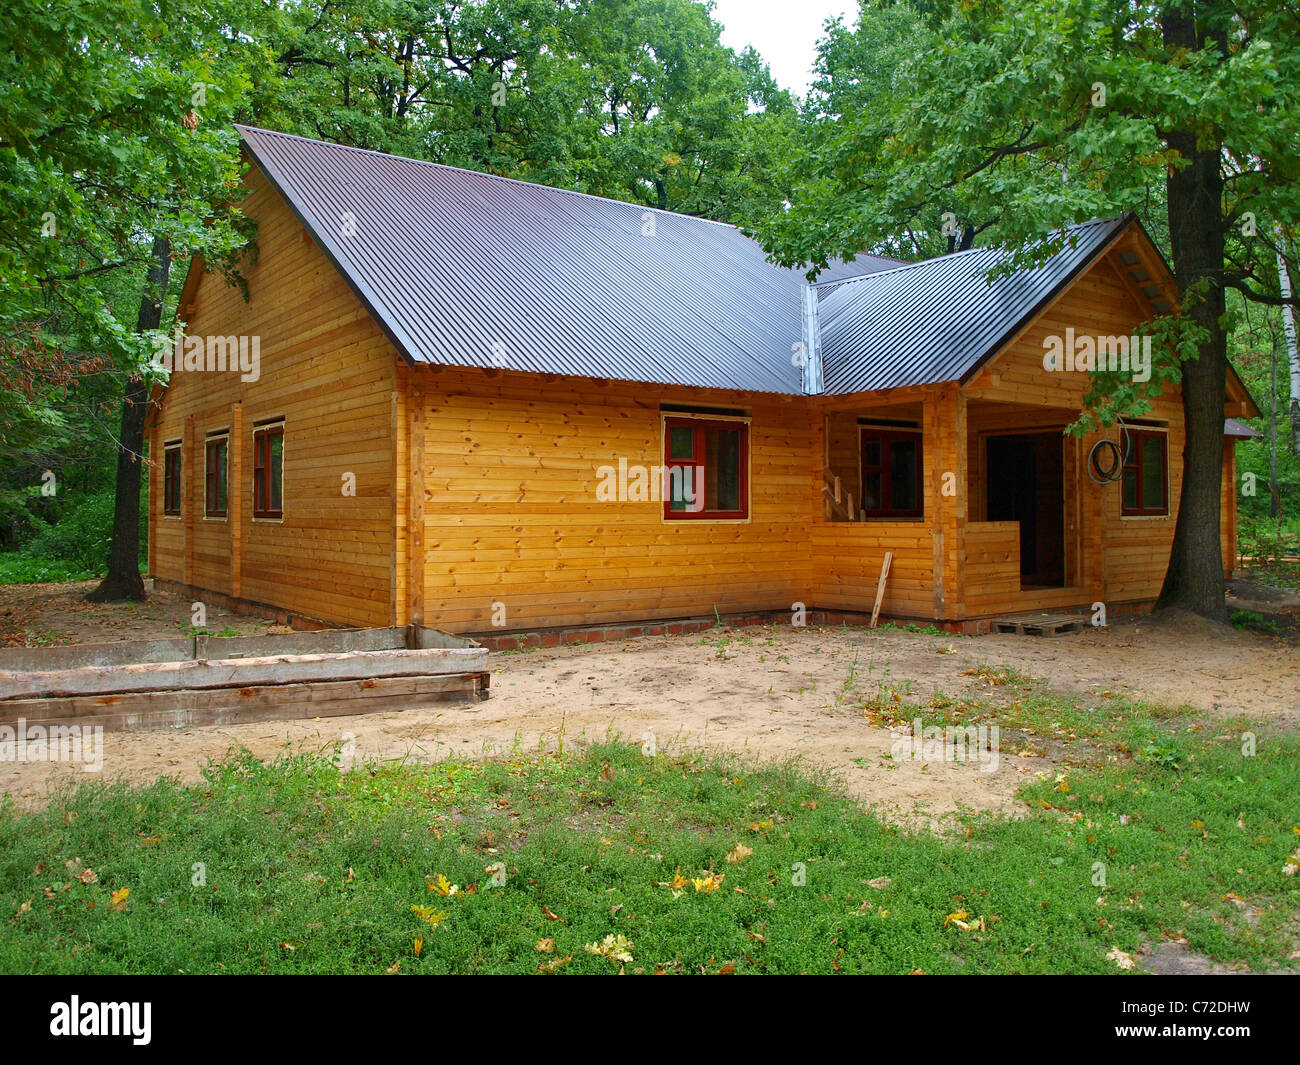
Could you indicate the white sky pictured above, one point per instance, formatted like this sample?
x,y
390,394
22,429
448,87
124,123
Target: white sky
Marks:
x,y
784,32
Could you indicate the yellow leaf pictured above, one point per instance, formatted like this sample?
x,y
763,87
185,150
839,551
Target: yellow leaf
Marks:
x,y
117,901
615,947
545,946
418,944
960,915
708,882
440,885
429,914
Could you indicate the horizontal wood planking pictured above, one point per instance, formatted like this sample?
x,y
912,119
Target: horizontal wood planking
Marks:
x,y
513,516
327,368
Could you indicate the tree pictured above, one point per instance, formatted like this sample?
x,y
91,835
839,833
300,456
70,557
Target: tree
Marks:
x,y
1029,116
114,148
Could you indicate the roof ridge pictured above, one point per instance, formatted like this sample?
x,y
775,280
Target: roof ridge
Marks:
x,y
478,173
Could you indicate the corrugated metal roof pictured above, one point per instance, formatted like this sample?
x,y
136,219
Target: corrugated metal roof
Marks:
x,y
937,320
468,269
462,268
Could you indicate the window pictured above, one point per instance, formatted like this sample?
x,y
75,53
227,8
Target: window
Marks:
x,y
216,466
172,478
891,473
706,466
268,471
1146,474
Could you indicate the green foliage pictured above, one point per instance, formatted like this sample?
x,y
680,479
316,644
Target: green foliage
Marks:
x,y
73,547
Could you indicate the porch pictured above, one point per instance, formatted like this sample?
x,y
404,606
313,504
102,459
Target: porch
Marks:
x,y
983,504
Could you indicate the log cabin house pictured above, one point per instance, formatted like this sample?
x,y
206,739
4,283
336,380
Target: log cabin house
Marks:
x,y
469,387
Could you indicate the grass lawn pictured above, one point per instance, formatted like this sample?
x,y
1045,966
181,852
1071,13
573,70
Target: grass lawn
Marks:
x,y
699,865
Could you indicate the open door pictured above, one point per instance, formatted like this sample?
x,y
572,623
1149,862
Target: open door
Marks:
x,y
1026,484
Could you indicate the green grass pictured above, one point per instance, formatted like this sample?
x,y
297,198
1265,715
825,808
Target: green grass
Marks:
x,y
307,869
17,568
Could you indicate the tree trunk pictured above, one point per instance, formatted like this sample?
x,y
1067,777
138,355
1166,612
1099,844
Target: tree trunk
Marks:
x,y
1288,331
123,580
1194,580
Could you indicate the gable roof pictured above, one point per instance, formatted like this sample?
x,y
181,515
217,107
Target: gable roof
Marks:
x,y
938,320
462,268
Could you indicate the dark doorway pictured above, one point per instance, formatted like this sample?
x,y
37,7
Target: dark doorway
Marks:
x,y
1025,484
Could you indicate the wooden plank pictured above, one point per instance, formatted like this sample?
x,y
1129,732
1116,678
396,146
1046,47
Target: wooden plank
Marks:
x,y
192,708
416,567
241,672
102,655
235,498
880,587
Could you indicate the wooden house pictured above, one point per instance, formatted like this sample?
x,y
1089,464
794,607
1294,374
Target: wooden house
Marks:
x,y
494,407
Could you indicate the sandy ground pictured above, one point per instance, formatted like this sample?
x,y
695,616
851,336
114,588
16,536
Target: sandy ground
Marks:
x,y
762,692
39,615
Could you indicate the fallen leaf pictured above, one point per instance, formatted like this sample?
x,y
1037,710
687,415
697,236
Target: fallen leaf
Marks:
x,y
440,885
1121,959
615,947
738,854
545,946
117,901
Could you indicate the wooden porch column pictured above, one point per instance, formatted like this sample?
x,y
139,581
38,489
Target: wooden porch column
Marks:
x,y
944,429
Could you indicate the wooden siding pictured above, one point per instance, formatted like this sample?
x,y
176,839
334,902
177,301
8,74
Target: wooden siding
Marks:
x,y
329,371
513,518
477,491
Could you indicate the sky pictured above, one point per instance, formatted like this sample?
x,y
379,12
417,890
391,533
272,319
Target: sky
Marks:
x,y
784,32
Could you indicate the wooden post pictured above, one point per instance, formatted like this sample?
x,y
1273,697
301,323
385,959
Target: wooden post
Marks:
x,y
235,499
191,463
880,587
415,567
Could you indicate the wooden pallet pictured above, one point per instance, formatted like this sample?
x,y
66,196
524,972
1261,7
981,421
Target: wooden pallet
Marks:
x,y
1039,624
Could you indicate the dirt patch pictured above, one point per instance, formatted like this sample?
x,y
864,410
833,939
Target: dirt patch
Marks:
x,y
44,615
768,692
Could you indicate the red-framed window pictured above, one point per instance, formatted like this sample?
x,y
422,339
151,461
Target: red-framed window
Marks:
x,y
1146,474
706,466
216,470
172,478
892,462
268,471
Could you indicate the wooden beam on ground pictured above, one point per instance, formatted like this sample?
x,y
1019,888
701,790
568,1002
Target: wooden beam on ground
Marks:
x,y
241,672
188,708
